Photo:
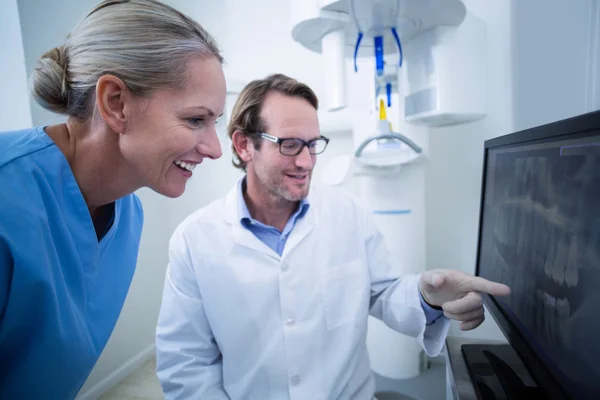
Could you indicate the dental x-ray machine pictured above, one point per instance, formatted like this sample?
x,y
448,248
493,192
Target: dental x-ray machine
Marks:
x,y
409,65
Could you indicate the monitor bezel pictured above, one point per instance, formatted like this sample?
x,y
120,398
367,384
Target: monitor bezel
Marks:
x,y
571,128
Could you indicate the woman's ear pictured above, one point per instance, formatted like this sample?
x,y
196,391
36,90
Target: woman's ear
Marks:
x,y
243,145
112,98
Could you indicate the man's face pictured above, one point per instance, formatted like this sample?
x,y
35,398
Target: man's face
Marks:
x,y
278,175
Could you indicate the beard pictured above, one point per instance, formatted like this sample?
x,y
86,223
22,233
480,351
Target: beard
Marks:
x,y
280,187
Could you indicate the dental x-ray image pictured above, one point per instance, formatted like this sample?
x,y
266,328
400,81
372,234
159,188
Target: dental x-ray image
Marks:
x,y
541,236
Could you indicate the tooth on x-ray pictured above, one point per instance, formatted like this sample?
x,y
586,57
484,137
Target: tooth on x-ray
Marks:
x,y
572,273
563,308
549,263
560,261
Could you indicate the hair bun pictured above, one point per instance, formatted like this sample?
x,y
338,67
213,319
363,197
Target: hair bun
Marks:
x,y
49,81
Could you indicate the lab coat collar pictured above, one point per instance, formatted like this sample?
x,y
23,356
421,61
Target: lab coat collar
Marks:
x,y
244,237
244,213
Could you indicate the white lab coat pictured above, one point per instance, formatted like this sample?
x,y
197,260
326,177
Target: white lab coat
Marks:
x,y
238,321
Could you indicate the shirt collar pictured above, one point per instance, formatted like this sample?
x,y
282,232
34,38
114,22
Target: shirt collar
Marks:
x,y
244,213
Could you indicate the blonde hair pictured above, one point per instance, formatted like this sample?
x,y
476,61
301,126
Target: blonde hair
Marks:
x,y
143,42
245,116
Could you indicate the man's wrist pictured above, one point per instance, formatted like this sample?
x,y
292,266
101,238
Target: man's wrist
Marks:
x,y
427,302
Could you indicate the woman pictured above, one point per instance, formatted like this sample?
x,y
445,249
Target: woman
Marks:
x,y
142,86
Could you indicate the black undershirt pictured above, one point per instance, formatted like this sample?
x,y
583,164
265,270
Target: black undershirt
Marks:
x,y
103,220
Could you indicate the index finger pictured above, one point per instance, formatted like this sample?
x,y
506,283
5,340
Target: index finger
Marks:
x,y
482,285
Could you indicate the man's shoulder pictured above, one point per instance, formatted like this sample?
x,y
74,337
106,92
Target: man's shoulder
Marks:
x,y
336,201
208,216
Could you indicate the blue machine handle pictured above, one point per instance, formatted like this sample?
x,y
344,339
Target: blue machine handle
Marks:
x,y
360,36
378,40
395,33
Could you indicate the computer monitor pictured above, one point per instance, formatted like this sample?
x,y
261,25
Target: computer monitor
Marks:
x,y
539,233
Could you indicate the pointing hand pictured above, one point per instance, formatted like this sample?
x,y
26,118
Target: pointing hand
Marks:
x,y
459,294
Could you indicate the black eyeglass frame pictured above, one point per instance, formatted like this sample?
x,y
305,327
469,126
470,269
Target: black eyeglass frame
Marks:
x,y
304,143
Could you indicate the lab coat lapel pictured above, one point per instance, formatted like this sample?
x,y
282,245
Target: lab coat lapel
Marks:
x,y
304,225
242,236
301,230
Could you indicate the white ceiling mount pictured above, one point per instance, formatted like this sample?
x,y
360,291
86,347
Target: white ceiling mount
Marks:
x,y
314,19
353,29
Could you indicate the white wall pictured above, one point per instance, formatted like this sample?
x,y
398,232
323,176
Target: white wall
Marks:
x,y
550,53
40,35
537,65
15,112
453,177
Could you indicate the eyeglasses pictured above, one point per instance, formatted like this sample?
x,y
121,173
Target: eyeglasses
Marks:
x,y
293,146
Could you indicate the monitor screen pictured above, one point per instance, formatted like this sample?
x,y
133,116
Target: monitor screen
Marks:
x,y
540,235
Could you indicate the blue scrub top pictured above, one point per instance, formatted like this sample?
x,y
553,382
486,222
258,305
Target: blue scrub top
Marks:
x,y
61,291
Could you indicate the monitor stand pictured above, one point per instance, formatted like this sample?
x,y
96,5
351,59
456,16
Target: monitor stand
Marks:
x,y
498,373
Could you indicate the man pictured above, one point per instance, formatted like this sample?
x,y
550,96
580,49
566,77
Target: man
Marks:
x,y
268,290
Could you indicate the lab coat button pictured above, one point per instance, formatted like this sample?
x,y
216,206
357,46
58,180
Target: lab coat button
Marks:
x,y
295,380
289,322
284,267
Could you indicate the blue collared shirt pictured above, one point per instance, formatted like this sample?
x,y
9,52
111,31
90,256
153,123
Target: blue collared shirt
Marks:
x,y
269,235
275,239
